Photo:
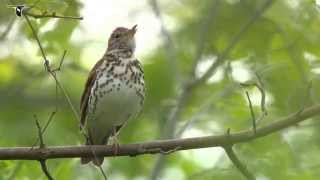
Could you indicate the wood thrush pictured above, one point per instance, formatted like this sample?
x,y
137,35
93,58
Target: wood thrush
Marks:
x,y
114,91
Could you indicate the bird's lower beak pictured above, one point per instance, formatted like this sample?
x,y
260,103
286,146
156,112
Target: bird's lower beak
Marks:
x,y
133,30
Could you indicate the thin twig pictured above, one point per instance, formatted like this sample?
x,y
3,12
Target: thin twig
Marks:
x,y
37,38
204,172
48,122
96,158
260,86
45,169
252,113
239,165
53,74
307,97
103,173
204,108
51,15
206,23
61,62
169,43
26,11
42,146
8,29
44,128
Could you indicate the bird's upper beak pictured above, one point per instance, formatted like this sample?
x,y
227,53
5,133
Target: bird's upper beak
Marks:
x,y
133,30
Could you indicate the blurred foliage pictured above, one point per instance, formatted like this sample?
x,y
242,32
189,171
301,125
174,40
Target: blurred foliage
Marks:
x,y
282,46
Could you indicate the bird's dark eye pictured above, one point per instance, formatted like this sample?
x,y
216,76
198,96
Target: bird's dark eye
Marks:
x,y
116,36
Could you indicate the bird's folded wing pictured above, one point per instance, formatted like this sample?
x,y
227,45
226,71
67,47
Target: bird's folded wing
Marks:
x,y
86,93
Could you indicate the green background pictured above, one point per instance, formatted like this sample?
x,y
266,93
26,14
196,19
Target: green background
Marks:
x,y
282,47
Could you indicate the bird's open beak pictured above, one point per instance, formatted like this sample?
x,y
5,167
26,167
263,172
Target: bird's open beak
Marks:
x,y
133,30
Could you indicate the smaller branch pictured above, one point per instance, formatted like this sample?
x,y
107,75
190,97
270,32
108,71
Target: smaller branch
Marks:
x,y
37,38
169,42
260,86
205,25
52,72
96,158
45,127
307,97
239,165
49,120
45,169
252,113
8,29
25,11
233,42
205,108
61,62
42,146
39,132
186,125
51,15
103,173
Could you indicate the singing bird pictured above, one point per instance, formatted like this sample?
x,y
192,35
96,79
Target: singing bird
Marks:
x,y
114,91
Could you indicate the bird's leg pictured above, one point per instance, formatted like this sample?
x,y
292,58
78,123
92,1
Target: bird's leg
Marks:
x,y
115,142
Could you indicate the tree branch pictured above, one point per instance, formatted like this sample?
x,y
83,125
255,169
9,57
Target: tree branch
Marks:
x,y
51,15
235,39
163,146
239,165
169,43
208,21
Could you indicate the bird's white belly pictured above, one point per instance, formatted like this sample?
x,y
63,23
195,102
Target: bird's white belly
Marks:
x,y
117,102
118,105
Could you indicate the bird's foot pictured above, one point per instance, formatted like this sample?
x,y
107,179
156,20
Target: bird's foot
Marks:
x,y
115,145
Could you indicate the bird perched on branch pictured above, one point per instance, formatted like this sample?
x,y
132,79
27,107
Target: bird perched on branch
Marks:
x,y
114,91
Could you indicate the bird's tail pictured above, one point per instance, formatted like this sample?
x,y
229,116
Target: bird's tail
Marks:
x,y
96,160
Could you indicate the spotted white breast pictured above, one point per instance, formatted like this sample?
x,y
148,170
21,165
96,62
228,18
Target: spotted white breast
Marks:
x,y
116,95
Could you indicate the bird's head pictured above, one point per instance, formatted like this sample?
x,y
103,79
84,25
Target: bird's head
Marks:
x,y
122,38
